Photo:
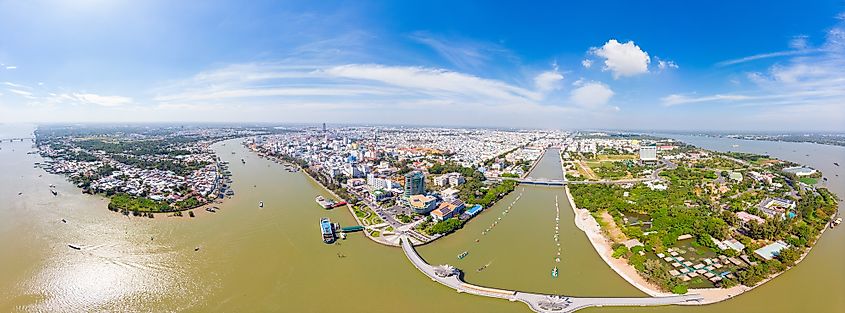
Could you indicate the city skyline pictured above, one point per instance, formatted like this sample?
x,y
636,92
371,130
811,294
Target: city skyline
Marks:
x,y
758,66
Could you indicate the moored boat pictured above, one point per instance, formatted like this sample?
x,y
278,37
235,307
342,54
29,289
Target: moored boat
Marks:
x,y
327,230
554,272
462,255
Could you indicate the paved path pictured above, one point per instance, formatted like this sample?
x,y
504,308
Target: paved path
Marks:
x,y
541,303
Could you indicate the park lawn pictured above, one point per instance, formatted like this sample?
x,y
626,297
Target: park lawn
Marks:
x,y
808,180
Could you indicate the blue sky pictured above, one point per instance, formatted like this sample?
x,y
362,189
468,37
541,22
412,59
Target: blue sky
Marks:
x,y
753,65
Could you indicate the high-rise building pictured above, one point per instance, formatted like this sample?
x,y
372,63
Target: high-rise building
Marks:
x,y
324,127
414,183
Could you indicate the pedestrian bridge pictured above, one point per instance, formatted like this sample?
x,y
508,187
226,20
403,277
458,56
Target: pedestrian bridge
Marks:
x,y
542,303
538,181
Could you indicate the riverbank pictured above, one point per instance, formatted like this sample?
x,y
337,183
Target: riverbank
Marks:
x,y
585,222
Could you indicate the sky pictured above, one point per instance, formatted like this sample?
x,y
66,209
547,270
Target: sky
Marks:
x,y
664,65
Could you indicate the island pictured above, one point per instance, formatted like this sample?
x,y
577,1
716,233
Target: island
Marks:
x,y
674,218
142,169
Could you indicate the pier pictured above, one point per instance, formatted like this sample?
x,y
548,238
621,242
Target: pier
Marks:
x,y
542,303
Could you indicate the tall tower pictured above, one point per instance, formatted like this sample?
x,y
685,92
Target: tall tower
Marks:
x,y
324,127
414,183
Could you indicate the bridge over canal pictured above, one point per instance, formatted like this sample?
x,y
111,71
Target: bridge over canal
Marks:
x,y
542,303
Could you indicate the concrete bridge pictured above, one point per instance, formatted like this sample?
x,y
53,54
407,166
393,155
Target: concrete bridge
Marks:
x,y
542,303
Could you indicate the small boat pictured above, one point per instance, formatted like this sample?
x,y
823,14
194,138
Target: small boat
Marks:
x,y
64,221
260,204
557,260
835,163
341,255
242,161
197,249
53,192
462,255
824,178
554,272
20,193
75,247
52,186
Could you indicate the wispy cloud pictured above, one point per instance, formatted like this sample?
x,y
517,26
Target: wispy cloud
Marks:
x,y
804,83
22,93
274,83
101,100
766,56
463,53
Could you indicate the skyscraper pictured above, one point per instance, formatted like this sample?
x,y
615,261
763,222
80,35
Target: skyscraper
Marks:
x,y
324,127
414,183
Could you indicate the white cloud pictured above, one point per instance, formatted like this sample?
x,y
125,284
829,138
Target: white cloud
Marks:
x,y
666,64
623,59
106,101
586,63
591,94
11,67
548,80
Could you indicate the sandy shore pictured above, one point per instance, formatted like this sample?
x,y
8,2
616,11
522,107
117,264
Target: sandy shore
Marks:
x,y
586,222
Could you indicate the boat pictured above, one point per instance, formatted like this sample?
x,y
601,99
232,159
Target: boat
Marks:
x,y
64,221
75,247
197,249
327,230
242,161
53,192
835,163
835,222
554,272
557,260
260,204
462,255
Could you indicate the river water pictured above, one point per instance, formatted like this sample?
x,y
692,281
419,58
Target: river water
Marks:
x,y
272,259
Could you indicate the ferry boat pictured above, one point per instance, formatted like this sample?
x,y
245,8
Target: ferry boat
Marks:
x,y
554,272
462,255
327,229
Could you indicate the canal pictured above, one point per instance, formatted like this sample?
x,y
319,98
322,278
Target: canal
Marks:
x,y
272,258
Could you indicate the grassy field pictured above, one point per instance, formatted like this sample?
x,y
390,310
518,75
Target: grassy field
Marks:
x,y
808,180
616,157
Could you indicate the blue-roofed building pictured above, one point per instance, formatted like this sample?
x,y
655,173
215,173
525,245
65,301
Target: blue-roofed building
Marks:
x,y
772,250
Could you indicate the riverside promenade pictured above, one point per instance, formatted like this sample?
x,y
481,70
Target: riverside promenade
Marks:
x,y
542,303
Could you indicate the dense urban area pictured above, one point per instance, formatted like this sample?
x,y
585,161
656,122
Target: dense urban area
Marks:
x,y
682,217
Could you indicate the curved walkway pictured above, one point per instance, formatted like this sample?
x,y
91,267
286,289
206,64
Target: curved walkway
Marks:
x,y
542,303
